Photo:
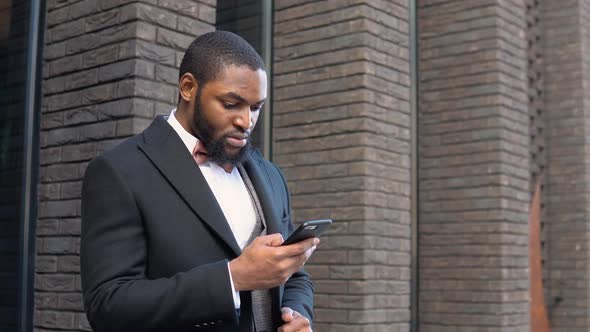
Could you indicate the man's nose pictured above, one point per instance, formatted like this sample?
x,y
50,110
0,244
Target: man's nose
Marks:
x,y
244,119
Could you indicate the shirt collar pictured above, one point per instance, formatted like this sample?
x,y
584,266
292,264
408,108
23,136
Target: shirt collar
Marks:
x,y
187,138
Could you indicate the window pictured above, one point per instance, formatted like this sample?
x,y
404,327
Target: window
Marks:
x,y
252,20
19,96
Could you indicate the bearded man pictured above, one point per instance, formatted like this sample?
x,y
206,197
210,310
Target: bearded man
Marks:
x,y
182,224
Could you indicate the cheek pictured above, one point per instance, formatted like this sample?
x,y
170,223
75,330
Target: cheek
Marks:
x,y
217,121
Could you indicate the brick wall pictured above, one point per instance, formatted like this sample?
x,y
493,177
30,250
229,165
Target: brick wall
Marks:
x,y
110,66
341,135
567,78
474,166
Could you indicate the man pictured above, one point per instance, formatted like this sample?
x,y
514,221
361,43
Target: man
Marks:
x,y
182,224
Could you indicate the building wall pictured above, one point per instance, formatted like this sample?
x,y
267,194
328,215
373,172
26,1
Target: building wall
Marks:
x,y
474,166
341,133
567,78
110,66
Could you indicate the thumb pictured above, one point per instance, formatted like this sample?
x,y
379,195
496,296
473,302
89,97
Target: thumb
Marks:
x,y
271,240
287,314
274,240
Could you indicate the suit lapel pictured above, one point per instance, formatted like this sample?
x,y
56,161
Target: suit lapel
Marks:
x,y
261,182
168,153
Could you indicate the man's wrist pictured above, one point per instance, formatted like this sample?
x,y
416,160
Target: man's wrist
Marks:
x,y
233,266
235,293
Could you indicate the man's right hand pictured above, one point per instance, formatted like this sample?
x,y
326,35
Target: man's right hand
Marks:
x,y
266,264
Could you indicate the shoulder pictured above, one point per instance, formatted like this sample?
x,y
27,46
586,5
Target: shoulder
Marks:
x,y
276,179
118,159
274,172
124,148
127,153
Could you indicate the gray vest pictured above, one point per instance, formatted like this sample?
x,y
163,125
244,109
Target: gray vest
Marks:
x,y
261,298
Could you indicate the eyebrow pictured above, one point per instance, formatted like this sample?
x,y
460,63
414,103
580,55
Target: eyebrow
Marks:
x,y
241,99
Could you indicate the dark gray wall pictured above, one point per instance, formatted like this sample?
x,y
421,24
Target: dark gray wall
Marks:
x,y
342,137
110,67
474,166
566,87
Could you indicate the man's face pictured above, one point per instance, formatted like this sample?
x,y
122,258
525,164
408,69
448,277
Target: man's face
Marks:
x,y
226,110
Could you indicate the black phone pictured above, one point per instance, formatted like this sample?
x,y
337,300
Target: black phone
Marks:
x,y
307,230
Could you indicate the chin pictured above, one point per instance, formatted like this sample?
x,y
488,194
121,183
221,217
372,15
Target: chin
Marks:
x,y
231,150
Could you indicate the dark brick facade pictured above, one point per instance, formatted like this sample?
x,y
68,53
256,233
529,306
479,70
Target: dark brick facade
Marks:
x,y
502,101
110,66
341,135
474,166
566,74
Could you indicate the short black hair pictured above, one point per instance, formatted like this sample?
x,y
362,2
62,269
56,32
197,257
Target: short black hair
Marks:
x,y
210,53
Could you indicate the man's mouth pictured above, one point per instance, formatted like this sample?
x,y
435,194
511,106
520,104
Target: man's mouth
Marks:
x,y
237,141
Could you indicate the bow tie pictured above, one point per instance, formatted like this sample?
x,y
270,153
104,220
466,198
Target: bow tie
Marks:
x,y
200,155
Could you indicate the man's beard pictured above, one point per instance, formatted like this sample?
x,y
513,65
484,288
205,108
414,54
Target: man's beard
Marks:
x,y
216,147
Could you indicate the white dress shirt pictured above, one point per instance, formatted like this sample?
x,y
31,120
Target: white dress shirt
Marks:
x,y
229,190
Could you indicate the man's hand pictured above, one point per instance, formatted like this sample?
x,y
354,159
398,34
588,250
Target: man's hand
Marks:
x,y
294,321
266,264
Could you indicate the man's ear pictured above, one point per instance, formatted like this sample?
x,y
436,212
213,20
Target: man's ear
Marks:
x,y
187,87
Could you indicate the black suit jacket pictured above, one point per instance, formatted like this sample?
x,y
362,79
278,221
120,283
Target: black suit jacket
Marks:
x,y
155,243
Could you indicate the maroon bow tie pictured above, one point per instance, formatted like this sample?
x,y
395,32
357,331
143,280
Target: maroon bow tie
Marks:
x,y
200,155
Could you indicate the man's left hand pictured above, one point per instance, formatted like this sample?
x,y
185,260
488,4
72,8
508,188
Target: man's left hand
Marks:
x,y
294,321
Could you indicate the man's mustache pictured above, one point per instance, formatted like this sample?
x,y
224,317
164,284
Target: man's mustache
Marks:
x,y
239,134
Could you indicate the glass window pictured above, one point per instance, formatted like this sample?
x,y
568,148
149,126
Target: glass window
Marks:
x,y
252,20
18,137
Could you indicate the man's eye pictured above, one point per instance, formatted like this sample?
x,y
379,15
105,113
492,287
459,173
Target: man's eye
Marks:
x,y
229,105
256,108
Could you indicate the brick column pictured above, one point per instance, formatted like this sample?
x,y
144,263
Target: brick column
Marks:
x,y
567,101
110,66
342,137
474,166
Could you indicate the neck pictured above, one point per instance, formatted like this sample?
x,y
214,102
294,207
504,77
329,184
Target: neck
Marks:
x,y
184,117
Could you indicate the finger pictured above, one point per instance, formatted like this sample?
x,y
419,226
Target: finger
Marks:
x,y
276,240
309,252
300,247
287,314
272,240
289,327
294,263
299,323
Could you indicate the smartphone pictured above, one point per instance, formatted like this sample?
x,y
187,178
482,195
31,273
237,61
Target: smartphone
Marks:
x,y
309,229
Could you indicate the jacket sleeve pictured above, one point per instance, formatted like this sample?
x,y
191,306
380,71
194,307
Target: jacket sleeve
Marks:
x,y
118,296
298,290
298,293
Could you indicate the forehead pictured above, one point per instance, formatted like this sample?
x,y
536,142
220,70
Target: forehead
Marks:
x,y
241,80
